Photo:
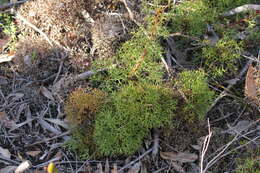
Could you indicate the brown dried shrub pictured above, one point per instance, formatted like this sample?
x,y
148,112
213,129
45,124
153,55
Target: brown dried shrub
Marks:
x,y
35,57
81,106
61,20
108,32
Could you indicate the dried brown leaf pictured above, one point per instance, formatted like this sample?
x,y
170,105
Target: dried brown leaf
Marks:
x,y
241,126
196,147
3,42
46,93
250,85
49,127
58,122
88,169
33,153
5,121
3,116
135,168
5,153
179,156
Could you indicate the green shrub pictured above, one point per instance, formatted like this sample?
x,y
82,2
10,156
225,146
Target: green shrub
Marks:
x,y
191,17
222,57
123,123
193,85
7,25
80,143
249,166
137,60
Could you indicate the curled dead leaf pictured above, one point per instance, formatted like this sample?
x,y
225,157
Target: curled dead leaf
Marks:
x,y
44,91
252,85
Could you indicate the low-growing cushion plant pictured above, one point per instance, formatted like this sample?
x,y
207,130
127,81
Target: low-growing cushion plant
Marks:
x,y
198,96
222,57
81,108
122,124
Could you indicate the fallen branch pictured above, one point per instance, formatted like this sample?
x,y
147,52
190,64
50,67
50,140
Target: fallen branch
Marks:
x,y
205,148
240,9
222,151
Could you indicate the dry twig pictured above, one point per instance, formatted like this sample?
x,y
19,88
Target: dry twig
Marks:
x,y
221,151
225,92
20,17
241,9
134,161
205,148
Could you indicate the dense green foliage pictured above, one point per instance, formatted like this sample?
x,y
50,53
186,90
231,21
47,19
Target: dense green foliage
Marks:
x,y
122,124
191,17
7,25
222,57
136,60
249,165
137,98
198,95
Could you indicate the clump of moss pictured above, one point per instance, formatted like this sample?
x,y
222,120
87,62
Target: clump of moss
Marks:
x,y
138,58
124,122
8,30
7,25
222,57
249,165
198,96
81,106
191,17
80,143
